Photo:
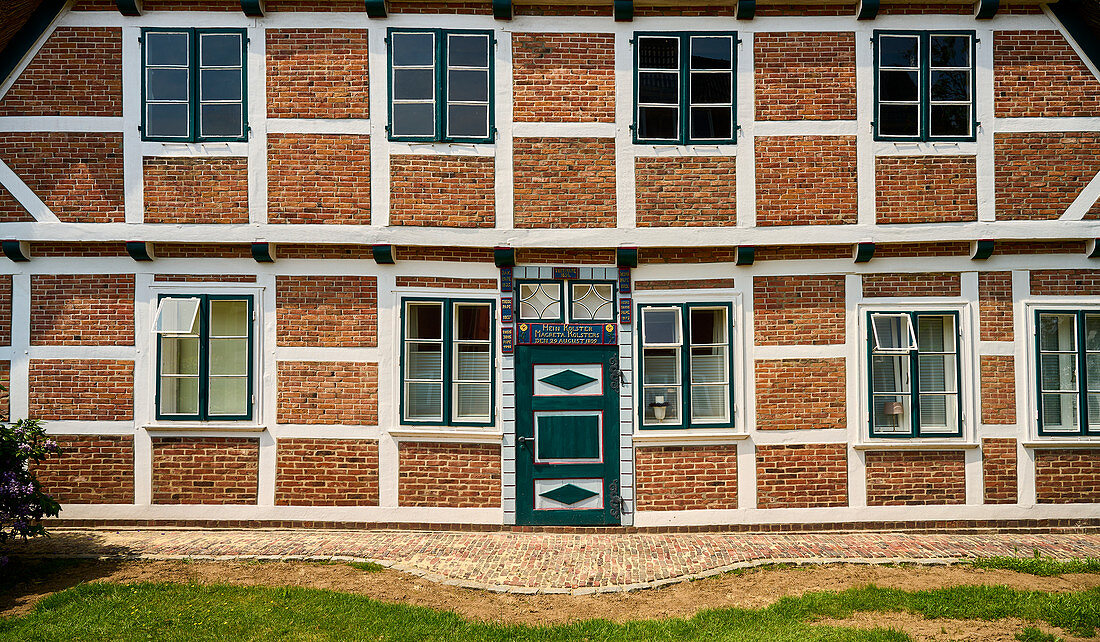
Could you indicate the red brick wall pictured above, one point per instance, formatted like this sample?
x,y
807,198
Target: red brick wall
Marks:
x,y
800,393
448,475
564,182
1038,74
998,374
999,470
805,180
798,310
196,190
912,284
205,470
1065,282
590,256
328,311
474,7
78,72
77,175
995,306
82,309
327,472
318,178
317,73
82,390
805,76
92,469
686,477
677,191
683,284
1040,174
445,282
906,250
801,476
915,478
1070,476
443,191
1006,248
563,77
320,392
5,310
444,253
926,189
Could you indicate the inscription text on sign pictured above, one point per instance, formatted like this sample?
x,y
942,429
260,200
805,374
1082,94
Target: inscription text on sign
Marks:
x,y
566,334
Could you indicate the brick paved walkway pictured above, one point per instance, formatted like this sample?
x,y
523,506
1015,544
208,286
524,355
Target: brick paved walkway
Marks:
x,y
554,562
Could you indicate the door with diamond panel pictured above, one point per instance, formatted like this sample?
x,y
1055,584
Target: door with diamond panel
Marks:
x,y
567,435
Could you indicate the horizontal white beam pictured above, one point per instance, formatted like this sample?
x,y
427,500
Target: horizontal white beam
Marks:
x,y
60,124
318,126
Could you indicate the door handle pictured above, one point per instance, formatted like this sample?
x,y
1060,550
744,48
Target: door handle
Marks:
x,y
522,441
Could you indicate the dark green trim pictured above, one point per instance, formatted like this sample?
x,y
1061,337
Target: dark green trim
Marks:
x,y
377,8
27,37
624,10
864,252
140,250
1082,375
626,257
447,356
685,365
746,9
263,252
204,359
502,9
986,9
1095,253
1069,13
253,8
745,255
504,257
17,251
383,254
983,249
914,379
129,7
867,9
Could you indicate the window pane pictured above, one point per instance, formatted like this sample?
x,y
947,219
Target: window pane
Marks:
x,y
229,396
898,120
933,334
1057,332
222,120
708,403
889,373
657,398
659,88
179,355
593,302
661,366
468,51
950,51
466,85
413,49
1092,372
540,301
658,53
220,50
1094,411
890,412
1092,332
1058,371
892,332
712,53
179,395
177,316
658,123
166,84
166,49
898,86
424,400
472,322
660,325
468,121
949,120
413,84
229,318
413,119
167,120
1060,412
425,361
424,321
472,362
708,326
229,356
937,413
220,84
472,401
897,51
950,85
711,122
708,365
937,372
711,88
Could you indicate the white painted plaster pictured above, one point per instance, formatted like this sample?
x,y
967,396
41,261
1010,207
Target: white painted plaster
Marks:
x,y
319,126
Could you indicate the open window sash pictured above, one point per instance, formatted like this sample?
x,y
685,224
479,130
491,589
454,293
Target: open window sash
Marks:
x,y
893,333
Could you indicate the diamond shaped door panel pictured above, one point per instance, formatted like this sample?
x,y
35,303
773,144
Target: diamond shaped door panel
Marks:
x,y
568,380
569,437
568,494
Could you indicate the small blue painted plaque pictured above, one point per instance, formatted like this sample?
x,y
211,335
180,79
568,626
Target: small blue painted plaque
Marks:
x,y
624,280
506,340
624,310
505,279
567,273
566,334
506,309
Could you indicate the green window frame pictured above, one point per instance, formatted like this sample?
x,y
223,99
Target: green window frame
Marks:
x,y
681,367
197,77
205,352
439,387
925,88
1067,371
439,74
685,99
914,374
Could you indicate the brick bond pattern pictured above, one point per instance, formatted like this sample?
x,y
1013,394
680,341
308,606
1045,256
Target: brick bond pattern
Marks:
x,y
1038,74
445,282
946,187
326,472
805,76
798,310
327,392
915,478
448,475
1065,282
318,178
82,309
683,284
805,180
998,380
794,394
317,73
563,77
78,72
196,190
5,310
1040,174
443,191
999,470
686,477
995,306
326,311
912,284
564,182
801,476
92,469
686,190
81,390
1070,476
205,470
77,175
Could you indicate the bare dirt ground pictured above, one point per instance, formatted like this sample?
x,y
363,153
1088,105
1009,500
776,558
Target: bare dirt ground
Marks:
x,y
754,589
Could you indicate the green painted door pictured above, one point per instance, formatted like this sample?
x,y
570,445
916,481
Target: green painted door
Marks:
x,y
567,435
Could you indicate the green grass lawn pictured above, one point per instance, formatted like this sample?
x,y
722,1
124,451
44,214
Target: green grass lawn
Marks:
x,y
218,612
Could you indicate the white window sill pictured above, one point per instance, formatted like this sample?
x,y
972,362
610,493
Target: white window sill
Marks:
x,y
463,435
686,437
1083,442
184,426
917,445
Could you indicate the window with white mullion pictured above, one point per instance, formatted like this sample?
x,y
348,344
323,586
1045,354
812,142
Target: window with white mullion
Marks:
x,y
899,85
936,369
229,354
221,85
1059,388
472,371
1092,371
468,85
413,84
708,365
950,85
658,90
710,94
662,388
424,361
167,84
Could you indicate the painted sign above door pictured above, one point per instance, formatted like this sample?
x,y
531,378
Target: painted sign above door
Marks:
x,y
566,334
